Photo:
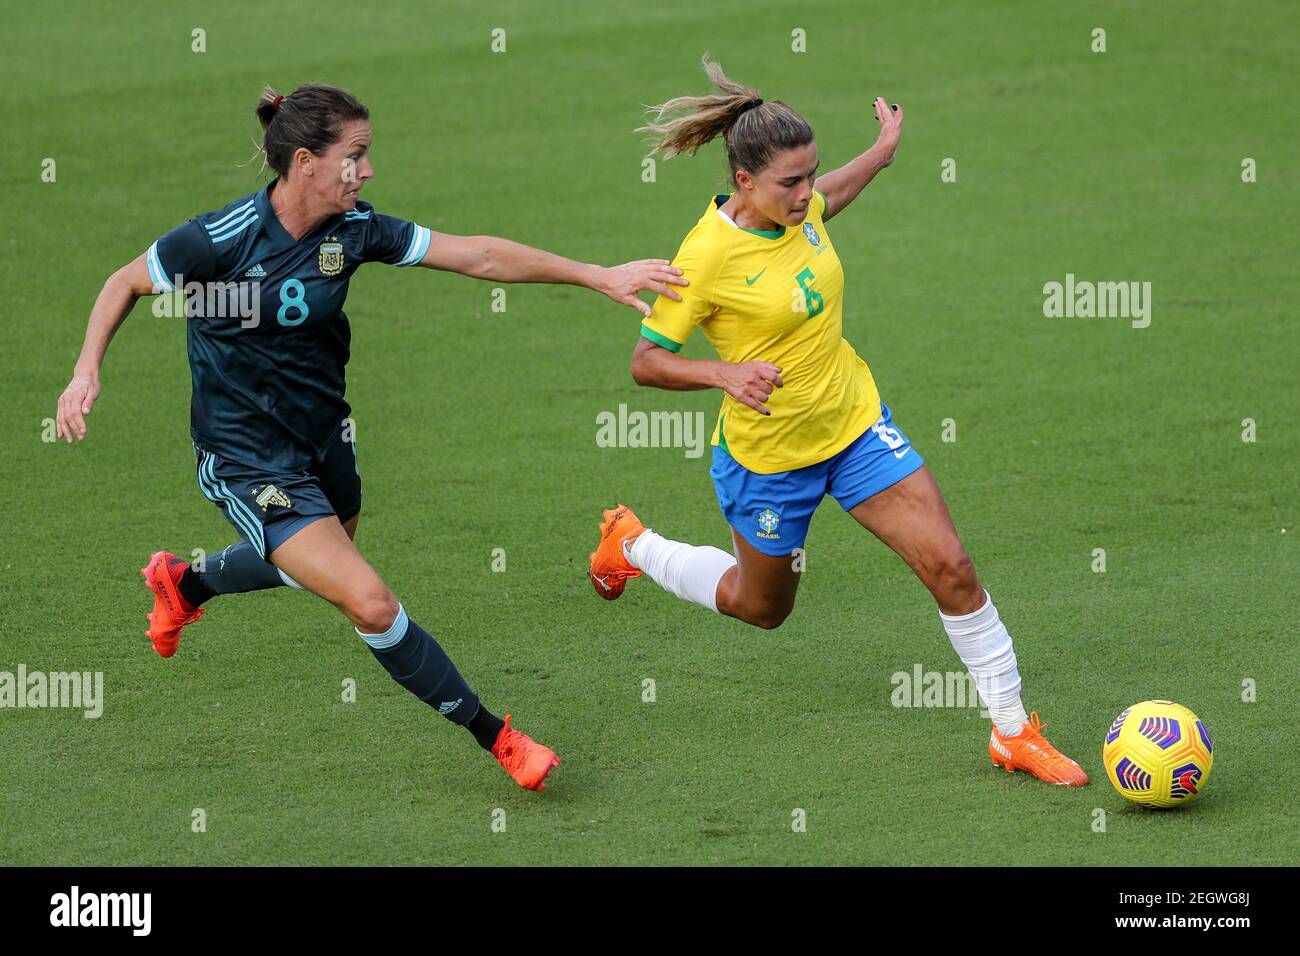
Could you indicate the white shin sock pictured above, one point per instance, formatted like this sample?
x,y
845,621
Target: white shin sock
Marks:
x,y
984,646
692,573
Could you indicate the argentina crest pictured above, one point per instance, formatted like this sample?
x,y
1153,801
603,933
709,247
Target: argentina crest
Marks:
x,y
268,495
331,257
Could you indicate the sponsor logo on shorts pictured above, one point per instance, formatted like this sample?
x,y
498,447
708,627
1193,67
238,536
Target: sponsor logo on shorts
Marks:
x,y
271,495
768,520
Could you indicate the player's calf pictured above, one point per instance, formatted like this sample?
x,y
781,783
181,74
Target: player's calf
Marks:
x,y
324,559
767,612
416,661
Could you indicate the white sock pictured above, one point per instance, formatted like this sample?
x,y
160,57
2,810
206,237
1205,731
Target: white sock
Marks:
x,y
689,572
984,646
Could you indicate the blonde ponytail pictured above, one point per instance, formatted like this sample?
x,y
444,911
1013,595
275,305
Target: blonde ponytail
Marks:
x,y
701,119
752,128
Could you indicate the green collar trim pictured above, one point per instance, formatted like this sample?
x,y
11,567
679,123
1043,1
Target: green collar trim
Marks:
x,y
721,198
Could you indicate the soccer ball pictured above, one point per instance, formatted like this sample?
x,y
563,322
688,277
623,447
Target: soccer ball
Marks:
x,y
1158,754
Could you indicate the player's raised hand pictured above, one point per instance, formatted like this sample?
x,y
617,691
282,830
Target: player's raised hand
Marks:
x,y
622,283
891,129
750,382
75,404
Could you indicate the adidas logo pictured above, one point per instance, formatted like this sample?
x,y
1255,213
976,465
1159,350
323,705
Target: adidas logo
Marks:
x,y
447,706
257,272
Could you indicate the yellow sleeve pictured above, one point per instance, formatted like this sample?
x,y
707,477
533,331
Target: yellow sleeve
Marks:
x,y
671,323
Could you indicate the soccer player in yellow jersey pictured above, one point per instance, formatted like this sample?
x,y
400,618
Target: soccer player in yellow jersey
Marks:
x,y
801,417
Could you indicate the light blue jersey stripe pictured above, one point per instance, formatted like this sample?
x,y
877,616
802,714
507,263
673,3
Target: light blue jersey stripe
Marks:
x,y
209,488
236,229
418,247
233,227
356,214
251,518
410,246
217,491
210,492
216,226
391,637
156,273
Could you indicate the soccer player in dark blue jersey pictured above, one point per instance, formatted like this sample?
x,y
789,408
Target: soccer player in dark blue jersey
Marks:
x,y
264,280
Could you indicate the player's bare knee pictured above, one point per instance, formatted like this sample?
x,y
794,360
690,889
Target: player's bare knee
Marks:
x,y
372,611
952,572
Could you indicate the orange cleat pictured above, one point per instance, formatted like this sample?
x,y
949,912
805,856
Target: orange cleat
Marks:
x,y
523,757
610,568
170,612
1030,751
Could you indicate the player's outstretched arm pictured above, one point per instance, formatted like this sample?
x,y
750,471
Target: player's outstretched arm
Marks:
x,y
747,382
500,260
841,186
112,306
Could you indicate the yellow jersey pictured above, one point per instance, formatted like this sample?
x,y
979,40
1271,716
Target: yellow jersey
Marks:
x,y
773,297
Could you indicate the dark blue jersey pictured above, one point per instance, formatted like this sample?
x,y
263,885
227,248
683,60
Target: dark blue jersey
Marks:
x,y
268,339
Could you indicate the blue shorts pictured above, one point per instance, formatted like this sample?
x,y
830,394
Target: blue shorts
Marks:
x,y
268,508
772,512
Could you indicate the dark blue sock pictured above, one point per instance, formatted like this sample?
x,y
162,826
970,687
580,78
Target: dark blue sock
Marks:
x,y
235,570
417,662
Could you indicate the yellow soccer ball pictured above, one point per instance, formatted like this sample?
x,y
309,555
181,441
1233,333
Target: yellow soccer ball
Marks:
x,y
1158,754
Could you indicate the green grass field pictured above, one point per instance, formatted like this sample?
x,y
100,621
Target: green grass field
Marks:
x,y
476,431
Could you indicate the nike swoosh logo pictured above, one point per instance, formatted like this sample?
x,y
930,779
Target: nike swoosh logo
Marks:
x,y
749,281
900,454
601,582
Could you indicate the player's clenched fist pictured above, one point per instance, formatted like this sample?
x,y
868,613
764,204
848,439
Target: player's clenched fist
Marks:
x,y
750,382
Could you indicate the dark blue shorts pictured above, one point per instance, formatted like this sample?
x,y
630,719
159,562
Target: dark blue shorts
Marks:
x,y
268,508
772,512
